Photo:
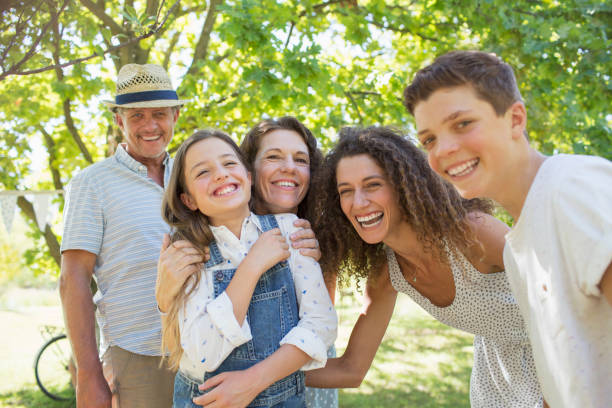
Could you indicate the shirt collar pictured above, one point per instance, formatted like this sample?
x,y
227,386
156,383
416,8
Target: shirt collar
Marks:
x,y
123,157
222,230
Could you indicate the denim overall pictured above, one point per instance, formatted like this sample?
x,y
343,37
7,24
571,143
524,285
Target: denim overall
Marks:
x,y
272,313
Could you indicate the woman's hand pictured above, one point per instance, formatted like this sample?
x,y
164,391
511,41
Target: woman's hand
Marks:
x,y
305,240
232,389
177,262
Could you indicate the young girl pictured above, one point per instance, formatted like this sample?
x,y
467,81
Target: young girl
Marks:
x,y
258,311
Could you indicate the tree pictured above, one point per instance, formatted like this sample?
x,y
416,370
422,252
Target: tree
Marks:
x,y
330,63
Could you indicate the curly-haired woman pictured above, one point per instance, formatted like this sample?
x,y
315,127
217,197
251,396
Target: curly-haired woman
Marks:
x,y
384,215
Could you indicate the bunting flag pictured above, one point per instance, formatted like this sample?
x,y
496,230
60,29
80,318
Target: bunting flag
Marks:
x,y
41,201
41,209
7,207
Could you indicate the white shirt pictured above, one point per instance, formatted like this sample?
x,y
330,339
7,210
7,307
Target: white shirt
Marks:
x,y
208,328
555,257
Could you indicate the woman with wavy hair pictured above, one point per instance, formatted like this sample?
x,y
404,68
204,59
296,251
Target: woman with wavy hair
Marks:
x,y
384,216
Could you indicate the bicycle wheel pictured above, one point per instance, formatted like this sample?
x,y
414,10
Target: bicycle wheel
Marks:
x,y
52,369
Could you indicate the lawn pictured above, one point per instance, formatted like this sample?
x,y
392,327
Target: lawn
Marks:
x,y
421,362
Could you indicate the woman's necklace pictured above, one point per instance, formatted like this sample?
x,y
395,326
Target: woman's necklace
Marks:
x,y
408,269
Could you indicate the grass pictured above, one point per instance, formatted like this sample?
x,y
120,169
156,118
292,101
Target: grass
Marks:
x,y
421,362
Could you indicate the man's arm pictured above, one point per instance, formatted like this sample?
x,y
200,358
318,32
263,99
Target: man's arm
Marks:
x,y
76,272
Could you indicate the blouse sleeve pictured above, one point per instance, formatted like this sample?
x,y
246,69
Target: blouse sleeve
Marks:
x,y
317,328
208,327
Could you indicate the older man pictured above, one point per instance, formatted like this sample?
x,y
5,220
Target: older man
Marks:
x,y
113,229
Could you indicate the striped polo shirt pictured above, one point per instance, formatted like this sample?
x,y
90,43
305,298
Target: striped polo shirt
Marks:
x,y
113,210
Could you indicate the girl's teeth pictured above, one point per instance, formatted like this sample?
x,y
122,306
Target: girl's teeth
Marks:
x,y
226,190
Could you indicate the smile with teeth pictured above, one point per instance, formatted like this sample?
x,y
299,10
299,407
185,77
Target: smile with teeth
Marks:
x,y
221,191
463,169
285,183
151,138
370,220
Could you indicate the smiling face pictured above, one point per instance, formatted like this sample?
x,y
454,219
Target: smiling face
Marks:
x,y
217,182
367,198
147,131
282,171
467,143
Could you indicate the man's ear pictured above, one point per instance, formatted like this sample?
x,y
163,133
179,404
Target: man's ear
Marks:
x,y
119,120
518,117
189,201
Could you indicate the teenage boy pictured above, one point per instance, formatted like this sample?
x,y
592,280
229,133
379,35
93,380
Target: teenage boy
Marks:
x,y
471,119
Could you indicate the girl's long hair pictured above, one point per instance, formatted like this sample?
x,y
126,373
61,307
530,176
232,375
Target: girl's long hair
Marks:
x,y
190,225
431,206
252,142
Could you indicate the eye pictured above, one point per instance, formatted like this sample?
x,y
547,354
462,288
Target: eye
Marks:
x,y
427,141
373,185
230,163
302,160
344,191
273,157
202,172
464,124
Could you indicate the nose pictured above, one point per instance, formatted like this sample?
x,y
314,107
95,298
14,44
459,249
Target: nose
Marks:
x,y
288,165
360,199
221,173
446,145
150,124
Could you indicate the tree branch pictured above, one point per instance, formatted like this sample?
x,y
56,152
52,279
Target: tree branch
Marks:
x,y
98,11
354,103
35,43
66,101
168,53
27,208
57,180
201,48
154,28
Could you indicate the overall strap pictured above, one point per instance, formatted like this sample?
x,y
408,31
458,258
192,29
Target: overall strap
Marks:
x,y
267,222
215,255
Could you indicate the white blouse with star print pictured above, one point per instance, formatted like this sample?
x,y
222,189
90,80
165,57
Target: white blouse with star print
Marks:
x,y
208,328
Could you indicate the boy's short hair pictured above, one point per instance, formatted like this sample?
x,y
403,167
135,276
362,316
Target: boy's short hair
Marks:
x,y
492,79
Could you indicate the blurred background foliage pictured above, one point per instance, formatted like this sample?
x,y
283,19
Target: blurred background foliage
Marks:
x,y
330,63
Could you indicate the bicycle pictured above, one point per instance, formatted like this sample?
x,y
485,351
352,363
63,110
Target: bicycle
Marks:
x,y
54,368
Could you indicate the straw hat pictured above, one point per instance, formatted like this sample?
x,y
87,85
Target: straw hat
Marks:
x,y
144,86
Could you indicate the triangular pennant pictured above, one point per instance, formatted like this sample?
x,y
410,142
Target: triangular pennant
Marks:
x,y
7,206
41,209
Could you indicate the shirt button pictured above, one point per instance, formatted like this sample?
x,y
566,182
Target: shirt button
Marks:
x,y
219,276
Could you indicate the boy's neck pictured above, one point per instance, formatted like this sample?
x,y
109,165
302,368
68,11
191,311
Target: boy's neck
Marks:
x,y
513,198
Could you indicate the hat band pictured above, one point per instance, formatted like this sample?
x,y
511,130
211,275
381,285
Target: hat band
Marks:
x,y
145,96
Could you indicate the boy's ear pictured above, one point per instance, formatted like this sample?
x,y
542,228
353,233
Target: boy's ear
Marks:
x,y
189,201
518,116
